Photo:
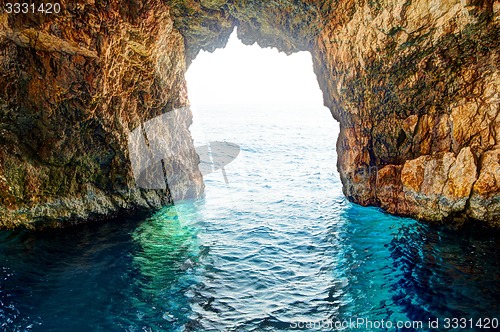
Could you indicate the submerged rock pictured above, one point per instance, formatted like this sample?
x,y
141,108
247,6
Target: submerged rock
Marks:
x,y
415,86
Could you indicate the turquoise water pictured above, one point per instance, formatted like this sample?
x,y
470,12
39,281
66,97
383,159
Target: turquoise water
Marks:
x,y
276,247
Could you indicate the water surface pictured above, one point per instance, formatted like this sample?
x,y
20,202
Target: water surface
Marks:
x,y
275,246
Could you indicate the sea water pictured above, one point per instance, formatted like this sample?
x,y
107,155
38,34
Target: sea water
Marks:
x,y
275,248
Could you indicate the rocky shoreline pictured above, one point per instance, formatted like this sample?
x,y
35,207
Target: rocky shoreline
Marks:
x,y
415,86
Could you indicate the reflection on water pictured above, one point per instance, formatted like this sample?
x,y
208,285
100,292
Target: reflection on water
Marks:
x,y
175,270
445,274
167,254
276,245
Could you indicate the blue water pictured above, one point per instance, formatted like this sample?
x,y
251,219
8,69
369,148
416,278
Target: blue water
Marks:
x,y
275,246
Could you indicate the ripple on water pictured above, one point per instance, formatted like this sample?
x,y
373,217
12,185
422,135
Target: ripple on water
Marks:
x,y
278,244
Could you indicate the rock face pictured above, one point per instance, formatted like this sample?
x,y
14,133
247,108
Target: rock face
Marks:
x,y
415,85
73,87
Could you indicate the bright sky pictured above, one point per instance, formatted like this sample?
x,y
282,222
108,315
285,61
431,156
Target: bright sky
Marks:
x,y
252,75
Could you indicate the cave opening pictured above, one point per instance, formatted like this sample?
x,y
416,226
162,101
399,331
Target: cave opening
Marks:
x,y
269,104
254,75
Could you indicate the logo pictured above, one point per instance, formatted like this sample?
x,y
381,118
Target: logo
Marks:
x,y
216,155
162,155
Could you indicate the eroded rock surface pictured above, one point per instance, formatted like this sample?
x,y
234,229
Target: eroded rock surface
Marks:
x,y
73,86
414,84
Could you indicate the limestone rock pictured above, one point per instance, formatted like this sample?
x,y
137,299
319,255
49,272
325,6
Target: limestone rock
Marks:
x,y
416,89
73,86
213,4
415,86
485,199
438,187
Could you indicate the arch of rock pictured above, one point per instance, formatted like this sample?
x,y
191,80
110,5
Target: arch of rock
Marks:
x,y
413,83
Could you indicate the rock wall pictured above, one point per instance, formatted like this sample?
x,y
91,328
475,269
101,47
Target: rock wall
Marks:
x,y
73,86
416,87
414,84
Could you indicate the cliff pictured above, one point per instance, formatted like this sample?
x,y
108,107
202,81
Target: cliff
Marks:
x,y
73,87
414,85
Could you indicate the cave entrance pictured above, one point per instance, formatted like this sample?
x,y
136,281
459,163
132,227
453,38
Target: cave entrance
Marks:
x,y
269,104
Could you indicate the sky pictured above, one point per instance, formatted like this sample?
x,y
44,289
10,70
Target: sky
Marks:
x,y
252,75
